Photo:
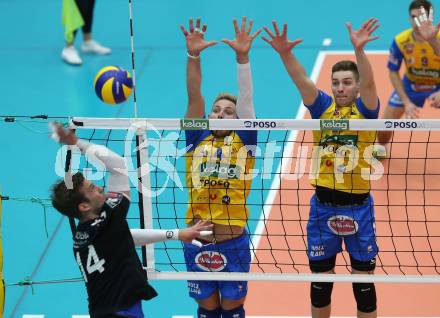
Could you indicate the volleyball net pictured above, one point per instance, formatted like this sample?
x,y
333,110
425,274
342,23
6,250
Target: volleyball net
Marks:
x,y
405,186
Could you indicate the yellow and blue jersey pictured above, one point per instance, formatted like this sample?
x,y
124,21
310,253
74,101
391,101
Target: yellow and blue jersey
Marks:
x,y
334,151
218,175
421,62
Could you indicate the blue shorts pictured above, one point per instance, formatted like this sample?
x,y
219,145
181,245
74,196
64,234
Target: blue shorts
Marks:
x,y
134,311
416,93
229,256
328,226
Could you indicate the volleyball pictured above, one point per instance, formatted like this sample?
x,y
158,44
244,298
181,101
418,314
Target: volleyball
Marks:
x,y
113,85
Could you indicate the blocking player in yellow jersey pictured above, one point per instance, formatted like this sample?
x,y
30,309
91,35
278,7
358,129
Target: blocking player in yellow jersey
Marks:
x,y
341,208
419,48
218,165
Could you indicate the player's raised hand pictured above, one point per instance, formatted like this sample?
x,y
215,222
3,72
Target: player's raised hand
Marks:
x,y
434,100
195,38
62,135
243,37
359,38
425,24
411,110
279,41
200,229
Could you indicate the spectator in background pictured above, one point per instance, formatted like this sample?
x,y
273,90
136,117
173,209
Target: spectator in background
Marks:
x,y
77,14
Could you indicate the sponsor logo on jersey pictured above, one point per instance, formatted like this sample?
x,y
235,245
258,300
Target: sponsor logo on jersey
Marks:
x,y
334,124
194,124
113,201
317,250
218,169
206,183
211,261
424,72
226,199
81,236
342,225
342,140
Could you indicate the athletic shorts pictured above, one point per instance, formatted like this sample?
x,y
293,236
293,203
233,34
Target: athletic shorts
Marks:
x,y
229,256
134,311
416,93
329,226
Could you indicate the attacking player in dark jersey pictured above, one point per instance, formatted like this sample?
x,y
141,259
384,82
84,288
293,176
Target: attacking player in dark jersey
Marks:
x,y
104,247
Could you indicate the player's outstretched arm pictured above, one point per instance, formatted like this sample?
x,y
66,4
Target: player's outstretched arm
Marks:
x,y
427,29
242,45
297,73
359,38
118,180
195,44
188,235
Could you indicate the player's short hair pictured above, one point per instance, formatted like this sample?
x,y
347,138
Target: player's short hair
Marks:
x,y
66,200
416,4
346,66
226,96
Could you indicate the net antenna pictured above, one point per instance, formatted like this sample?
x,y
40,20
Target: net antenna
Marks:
x,y
407,196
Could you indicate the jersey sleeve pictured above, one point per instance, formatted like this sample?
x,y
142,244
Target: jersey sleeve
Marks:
x,y
395,58
194,137
366,112
321,103
249,138
116,206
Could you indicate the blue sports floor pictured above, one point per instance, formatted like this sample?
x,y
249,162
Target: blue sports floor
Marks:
x,y
35,81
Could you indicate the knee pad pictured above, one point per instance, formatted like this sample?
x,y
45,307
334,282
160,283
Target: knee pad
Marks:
x,y
237,312
205,313
365,295
321,294
322,266
366,266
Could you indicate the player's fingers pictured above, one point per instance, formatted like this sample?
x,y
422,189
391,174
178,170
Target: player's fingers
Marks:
x,y
257,33
191,25
185,33
205,233
275,28
349,27
417,22
211,43
372,38
198,23
204,27
237,30
226,41
296,42
197,243
284,30
371,31
243,24
248,31
369,23
423,17
431,14
266,40
269,32
365,24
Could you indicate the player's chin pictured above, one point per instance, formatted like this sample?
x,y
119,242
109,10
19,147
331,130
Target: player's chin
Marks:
x,y
344,101
221,133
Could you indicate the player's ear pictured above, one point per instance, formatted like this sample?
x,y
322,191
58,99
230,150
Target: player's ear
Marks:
x,y
83,207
